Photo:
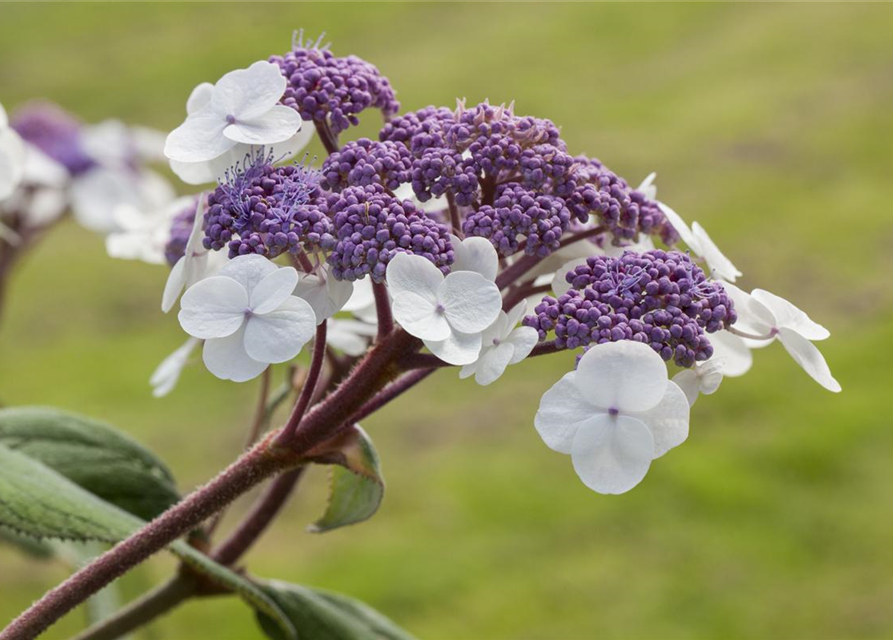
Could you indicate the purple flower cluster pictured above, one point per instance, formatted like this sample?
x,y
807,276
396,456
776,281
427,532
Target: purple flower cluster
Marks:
x,y
658,298
364,162
371,227
181,229
55,132
267,210
322,87
620,210
515,212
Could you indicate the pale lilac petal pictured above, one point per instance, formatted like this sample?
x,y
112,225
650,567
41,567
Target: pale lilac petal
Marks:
x,y
687,380
514,315
668,420
492,363
213,308
732,351
627,376
791,317
612,454
249,93
560,285
716,260
419,317
176,280
227,359
273,290
475,254
277,125
561,412
279,336
471,302
523,339
681,228
199,98
753,316
807,355
165,377
648,188
458,348
199,139
414,273
248,270
325,294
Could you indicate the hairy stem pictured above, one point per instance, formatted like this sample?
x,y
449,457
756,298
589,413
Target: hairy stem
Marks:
x,y
588,233
454,215
383,309
515,271
390,392
329,140
149,606
316,362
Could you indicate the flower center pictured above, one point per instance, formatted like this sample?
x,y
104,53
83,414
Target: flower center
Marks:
x,y
440,309
496,342
231,119
613,411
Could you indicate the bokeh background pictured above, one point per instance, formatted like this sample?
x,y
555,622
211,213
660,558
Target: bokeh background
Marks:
x,y
770,124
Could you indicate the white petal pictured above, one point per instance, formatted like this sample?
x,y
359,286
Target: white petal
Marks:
x,y
414,273
213,308
687,380
492,363
475,254
681,228
350,336
524,339
471,302
4,119
753,316
42,170
362,296
325,294
199,98
12,161
273,290
561,412
612,454
789,316
668,421
807,355
560,285
199,139
715,258
279,124
513,317
249,93
710,375
731,350
248,270
627,376
165,377
176,280
419,317
280,335
458,348
648,188
226,358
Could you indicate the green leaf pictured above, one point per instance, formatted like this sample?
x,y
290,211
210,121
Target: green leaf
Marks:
x,y
27,545
324,615
356,486
93,455
37,501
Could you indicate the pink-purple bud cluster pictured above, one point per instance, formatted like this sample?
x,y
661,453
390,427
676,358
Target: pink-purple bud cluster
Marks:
x,y
364,162
325,88
55,132
266,210
658,298
370,227
181,229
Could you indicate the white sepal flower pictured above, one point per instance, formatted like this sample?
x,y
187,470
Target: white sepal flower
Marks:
x,y
144,236
97,194
350,336
362,302
248,317
243,107
475,254
12,157
432,205
503,344
731,352
165,377
613,415
702,378
765,314
325,294
448,313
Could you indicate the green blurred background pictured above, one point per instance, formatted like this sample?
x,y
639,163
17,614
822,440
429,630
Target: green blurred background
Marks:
x,y
769,124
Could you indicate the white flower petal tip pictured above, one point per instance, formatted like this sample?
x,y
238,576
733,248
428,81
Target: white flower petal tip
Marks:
x,y
703,378
647,188
475,254
614,415
242,108
502,344
716,260
248,317
449,314
166,376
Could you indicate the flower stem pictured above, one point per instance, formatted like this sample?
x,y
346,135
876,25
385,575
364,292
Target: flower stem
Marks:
x,y
316,362
454,215
390,392
329,140
383,309
515,271
588,233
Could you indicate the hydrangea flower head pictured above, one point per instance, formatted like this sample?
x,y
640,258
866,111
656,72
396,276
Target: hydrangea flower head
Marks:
x,y
12,157
56,133
325,88
614,415
657,298
364,162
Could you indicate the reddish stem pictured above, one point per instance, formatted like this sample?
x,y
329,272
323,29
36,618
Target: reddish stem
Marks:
x,y
383,309
316,362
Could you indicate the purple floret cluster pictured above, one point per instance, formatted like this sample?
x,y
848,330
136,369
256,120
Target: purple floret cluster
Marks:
x,y
325,88
55,132
267,210
181,229
658,298
370,227
364,162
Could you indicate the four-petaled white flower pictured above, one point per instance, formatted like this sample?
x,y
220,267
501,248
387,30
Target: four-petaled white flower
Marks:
x,y
12,157
448,313
143,236
503,344
475,254
615,414
248,317
325,294
350,336
165,377
702,378
696,237
765,314
226,119
195,264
